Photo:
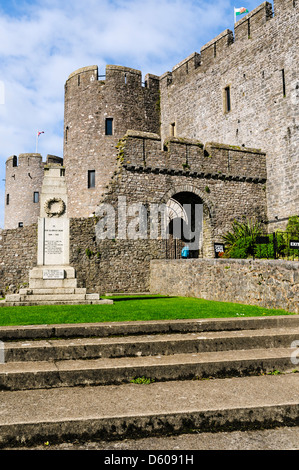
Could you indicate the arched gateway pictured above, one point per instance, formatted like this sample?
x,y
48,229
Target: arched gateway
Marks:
x,y
189,222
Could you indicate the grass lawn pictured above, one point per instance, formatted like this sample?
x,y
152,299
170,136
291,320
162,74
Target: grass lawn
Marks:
x,y
129,308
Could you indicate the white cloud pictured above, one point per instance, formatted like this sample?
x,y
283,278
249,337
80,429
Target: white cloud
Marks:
x,y
43,41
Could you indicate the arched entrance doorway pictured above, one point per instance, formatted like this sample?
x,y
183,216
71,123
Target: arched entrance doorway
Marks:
x,y
185,224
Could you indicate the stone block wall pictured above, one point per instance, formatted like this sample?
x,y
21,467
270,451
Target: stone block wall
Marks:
x,y
101,266
144,151
230,181
24,176
116,265
257,66
18,254
89,102
269,284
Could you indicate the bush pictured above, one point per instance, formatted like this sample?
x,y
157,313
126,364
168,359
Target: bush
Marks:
x,y
242,248
241,241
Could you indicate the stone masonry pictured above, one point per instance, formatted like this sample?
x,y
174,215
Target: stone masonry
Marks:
x,y
220,131
240,90
258,67
266,283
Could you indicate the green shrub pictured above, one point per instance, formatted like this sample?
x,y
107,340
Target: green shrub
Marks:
x,y
240,242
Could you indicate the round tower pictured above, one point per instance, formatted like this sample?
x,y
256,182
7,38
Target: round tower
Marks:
x,y
23,181
98,112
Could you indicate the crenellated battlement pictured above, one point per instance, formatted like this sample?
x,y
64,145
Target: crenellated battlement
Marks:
x,y
141,151
27,160
115,76
24,160
248,27
23,182
215,48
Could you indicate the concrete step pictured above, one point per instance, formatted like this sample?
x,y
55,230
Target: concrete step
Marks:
x,y
106,329
65,290
149,345
29,303
132,410
42,297
52,283
106,371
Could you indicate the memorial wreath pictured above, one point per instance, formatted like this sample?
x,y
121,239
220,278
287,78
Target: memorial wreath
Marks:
x,y
59,207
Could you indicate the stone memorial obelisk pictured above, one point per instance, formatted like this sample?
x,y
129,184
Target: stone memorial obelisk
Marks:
x,y
53,237
53,280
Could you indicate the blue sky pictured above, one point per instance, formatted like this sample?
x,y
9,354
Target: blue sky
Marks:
x,y
43,41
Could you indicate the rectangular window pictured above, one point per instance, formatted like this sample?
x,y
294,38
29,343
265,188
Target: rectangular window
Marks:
x,y
91,179
172,129
227,99
283,83
7,199
35,196
21,224
109,126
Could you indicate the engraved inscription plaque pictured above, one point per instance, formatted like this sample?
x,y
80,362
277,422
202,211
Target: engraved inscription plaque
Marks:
x,y
53,243
53,273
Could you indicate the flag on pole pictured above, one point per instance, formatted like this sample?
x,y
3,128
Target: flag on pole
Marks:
x,y
239,11
37,136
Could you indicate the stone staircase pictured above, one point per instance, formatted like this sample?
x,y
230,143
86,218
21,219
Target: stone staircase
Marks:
x,y
64,382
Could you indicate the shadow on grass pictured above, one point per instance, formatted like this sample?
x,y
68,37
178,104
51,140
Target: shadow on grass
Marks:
x,y
132,297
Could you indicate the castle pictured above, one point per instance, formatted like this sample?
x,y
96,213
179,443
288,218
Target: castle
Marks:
x,y
219,131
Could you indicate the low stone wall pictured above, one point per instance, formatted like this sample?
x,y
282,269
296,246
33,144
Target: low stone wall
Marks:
x,y
270,284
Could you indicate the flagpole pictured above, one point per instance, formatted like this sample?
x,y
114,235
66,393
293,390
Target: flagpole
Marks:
x,y
37,136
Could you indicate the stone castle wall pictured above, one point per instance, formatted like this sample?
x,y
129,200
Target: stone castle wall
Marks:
x,y
24,176
122,264
101,266
18,254
89,101
269,284
229,182
256,65
156,149
259,65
